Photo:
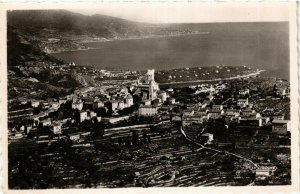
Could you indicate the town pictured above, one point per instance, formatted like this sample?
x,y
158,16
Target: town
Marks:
x,y
217,125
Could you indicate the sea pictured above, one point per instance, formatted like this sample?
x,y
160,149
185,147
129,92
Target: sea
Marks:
x,y
261,45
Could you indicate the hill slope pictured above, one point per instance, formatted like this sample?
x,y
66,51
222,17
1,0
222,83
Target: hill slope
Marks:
x,y
58,30
21,49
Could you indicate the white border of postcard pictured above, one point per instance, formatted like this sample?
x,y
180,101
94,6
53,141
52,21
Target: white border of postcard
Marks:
x,y
292,6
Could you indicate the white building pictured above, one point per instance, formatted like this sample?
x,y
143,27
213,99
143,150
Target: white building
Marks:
x,y
129,100
56,128
209,136
92,114
83,116
121,105
149,88
172,100
244,92
114,105
74,136
147,110
78,104
243,102
147,102
265,170
215,114
35,103
217,107
163,96
46,122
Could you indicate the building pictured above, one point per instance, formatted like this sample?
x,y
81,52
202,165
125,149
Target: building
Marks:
x,y
149,88
210,96
244,92
172,100
278,117
265,120
205,103
45,105
248,122
121,105
176,118
147,110
207,137
35,103
62,100
188,112
55,105
163,96
247,112
56,128
191,119
28,128
129,100
233,112
99,119
281,126
281,91
83,116
78,104
74,136
147,102
255,115
46,122
243,102
214,114
114,105
265,170
217,107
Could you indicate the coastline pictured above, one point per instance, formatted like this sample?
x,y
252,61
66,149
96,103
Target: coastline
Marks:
x,y
212,80
121,39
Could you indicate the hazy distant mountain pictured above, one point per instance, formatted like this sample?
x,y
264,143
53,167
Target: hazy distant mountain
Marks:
x,y
64,30
35,21
61,30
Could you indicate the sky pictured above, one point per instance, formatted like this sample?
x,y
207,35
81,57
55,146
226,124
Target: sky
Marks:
x,y
194,13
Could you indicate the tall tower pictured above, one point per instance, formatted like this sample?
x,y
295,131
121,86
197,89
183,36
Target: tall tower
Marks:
x,y
150,75
152,90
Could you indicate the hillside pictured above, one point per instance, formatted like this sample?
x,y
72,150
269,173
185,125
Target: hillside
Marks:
x,y
33,73
21,49
61,30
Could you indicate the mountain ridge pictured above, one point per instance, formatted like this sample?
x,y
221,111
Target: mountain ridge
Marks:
x,y
61,30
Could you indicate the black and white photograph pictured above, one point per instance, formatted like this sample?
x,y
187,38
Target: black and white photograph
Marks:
x,y
105,97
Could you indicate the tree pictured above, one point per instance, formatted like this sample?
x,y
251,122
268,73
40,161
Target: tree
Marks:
x,y
101,112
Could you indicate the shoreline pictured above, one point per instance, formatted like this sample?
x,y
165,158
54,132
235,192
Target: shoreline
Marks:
x,y
212,80
121,39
